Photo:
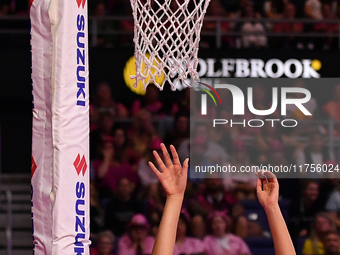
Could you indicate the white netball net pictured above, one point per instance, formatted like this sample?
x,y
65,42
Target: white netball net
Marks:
x,y
166,38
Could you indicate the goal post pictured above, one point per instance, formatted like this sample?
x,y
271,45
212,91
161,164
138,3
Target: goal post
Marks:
x,y
60,139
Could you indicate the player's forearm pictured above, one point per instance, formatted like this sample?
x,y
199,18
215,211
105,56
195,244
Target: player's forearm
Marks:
x,y
282,241
166,236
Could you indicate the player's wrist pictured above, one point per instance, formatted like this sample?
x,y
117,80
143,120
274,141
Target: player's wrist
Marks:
x,y
176,197
272,207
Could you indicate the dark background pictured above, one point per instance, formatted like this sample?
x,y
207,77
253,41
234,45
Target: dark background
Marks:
x,y
105,65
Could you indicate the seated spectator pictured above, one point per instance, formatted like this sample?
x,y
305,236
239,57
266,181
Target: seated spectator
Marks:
x,y
144,171
104,132
276,154
320,226
154,201
198,226
4,9
185,244
216,10
197,155
315,153
222,134
97,213
295,28
274,9
106,26
124,153
303,209
271,135
214,153
150,102
103,102
242,184
253,33
141,133
333,206
214,197
331,109
109,170
136,240
105,244
332,243
121,208
183,104
329,185
263,141
221,241
313,9
126,25
179,132
329,28
255,230
277,158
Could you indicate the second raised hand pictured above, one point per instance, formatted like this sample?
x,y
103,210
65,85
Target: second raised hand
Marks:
x,y
172,176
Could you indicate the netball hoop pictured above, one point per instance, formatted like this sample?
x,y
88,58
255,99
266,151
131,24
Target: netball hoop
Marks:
x,y
166,38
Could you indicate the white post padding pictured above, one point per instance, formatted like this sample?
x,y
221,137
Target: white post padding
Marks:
x,y
70,127
41,180
68,200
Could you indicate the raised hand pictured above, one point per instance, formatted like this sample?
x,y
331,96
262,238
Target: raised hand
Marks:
x,y
267,189
172,176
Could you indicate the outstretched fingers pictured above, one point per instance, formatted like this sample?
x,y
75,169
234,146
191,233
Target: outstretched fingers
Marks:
x,y
166,155
154,169
175,155
159,161
185,166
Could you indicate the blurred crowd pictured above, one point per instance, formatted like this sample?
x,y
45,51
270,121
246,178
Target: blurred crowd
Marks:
x,y
127,199
249,34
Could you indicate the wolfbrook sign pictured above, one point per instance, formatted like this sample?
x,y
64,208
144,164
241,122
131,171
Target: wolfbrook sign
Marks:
x,y
211,68
258,68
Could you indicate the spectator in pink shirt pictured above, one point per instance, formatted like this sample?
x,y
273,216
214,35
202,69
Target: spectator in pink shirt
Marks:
x,y
104,102
185,244
109,169
149,102
221,241
136,241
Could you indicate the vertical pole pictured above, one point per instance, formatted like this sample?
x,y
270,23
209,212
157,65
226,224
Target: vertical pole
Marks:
x,y
41,174
60,135
70,127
